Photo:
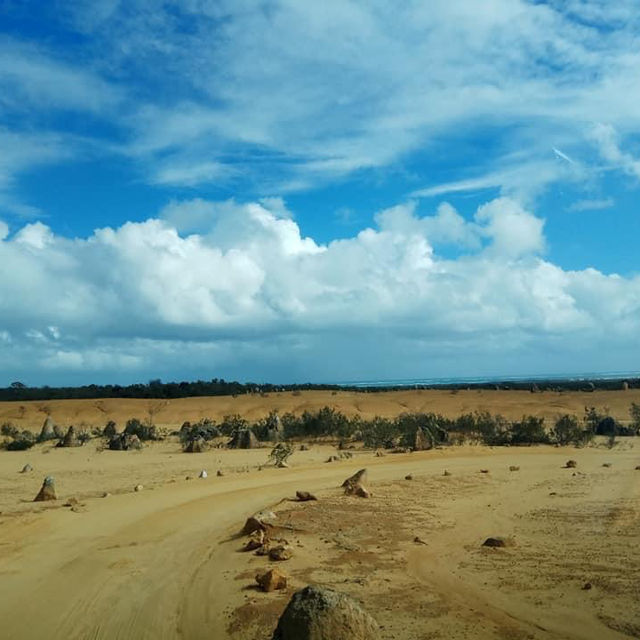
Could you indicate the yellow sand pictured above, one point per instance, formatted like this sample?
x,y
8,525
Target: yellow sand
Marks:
x,y
163,563
172,413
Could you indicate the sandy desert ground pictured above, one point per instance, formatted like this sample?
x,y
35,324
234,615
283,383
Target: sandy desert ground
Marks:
x,y
172,413
166,562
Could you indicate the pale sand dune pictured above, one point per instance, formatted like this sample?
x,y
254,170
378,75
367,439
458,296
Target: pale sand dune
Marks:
x,y
172,413
161,563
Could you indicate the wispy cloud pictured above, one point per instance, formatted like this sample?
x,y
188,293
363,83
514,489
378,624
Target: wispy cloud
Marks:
x,y
592,205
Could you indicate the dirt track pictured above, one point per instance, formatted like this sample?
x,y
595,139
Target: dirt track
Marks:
x,y
161,563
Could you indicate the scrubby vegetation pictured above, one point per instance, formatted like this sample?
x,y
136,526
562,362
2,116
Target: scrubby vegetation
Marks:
x,y
407,431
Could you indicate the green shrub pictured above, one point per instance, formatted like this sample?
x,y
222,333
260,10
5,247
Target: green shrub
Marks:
x,y
144,431
22,441
529,430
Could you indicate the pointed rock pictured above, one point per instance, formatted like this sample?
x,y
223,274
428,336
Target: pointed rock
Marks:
x,y
47,491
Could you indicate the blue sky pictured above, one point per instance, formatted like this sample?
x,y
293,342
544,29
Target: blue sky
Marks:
x,y
287,191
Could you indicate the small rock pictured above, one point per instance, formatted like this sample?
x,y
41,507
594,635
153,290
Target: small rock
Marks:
x,y
256,541
446,473
138,487
606,464
570,464
496,542
514,468
586,586
380,454
419,540
333,459
188,477
27,468
258,522
484,470
106,494
272,580
408,477
281,465
219,473
304,496
71,502
553,493
280,553
203,474
638,468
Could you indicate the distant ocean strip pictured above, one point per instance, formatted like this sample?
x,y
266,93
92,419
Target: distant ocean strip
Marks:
x,y
475,380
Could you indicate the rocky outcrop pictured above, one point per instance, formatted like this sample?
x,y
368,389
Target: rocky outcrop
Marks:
x,y
317,613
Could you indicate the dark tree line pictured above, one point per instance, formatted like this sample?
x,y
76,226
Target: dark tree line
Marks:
x,y
156,389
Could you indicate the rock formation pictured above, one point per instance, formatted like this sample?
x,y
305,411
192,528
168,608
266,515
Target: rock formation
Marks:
x,y
48,429
317,613
353,486
47,491
70,439
244,439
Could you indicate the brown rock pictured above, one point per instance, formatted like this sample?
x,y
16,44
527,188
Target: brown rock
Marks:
x,y
304,496
570,464
408,477
356,478
514,468
446,473
484,470
272,580
280,553
219,473
256,541
317,613
606,464
47,491
258,522
496,542
353,485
